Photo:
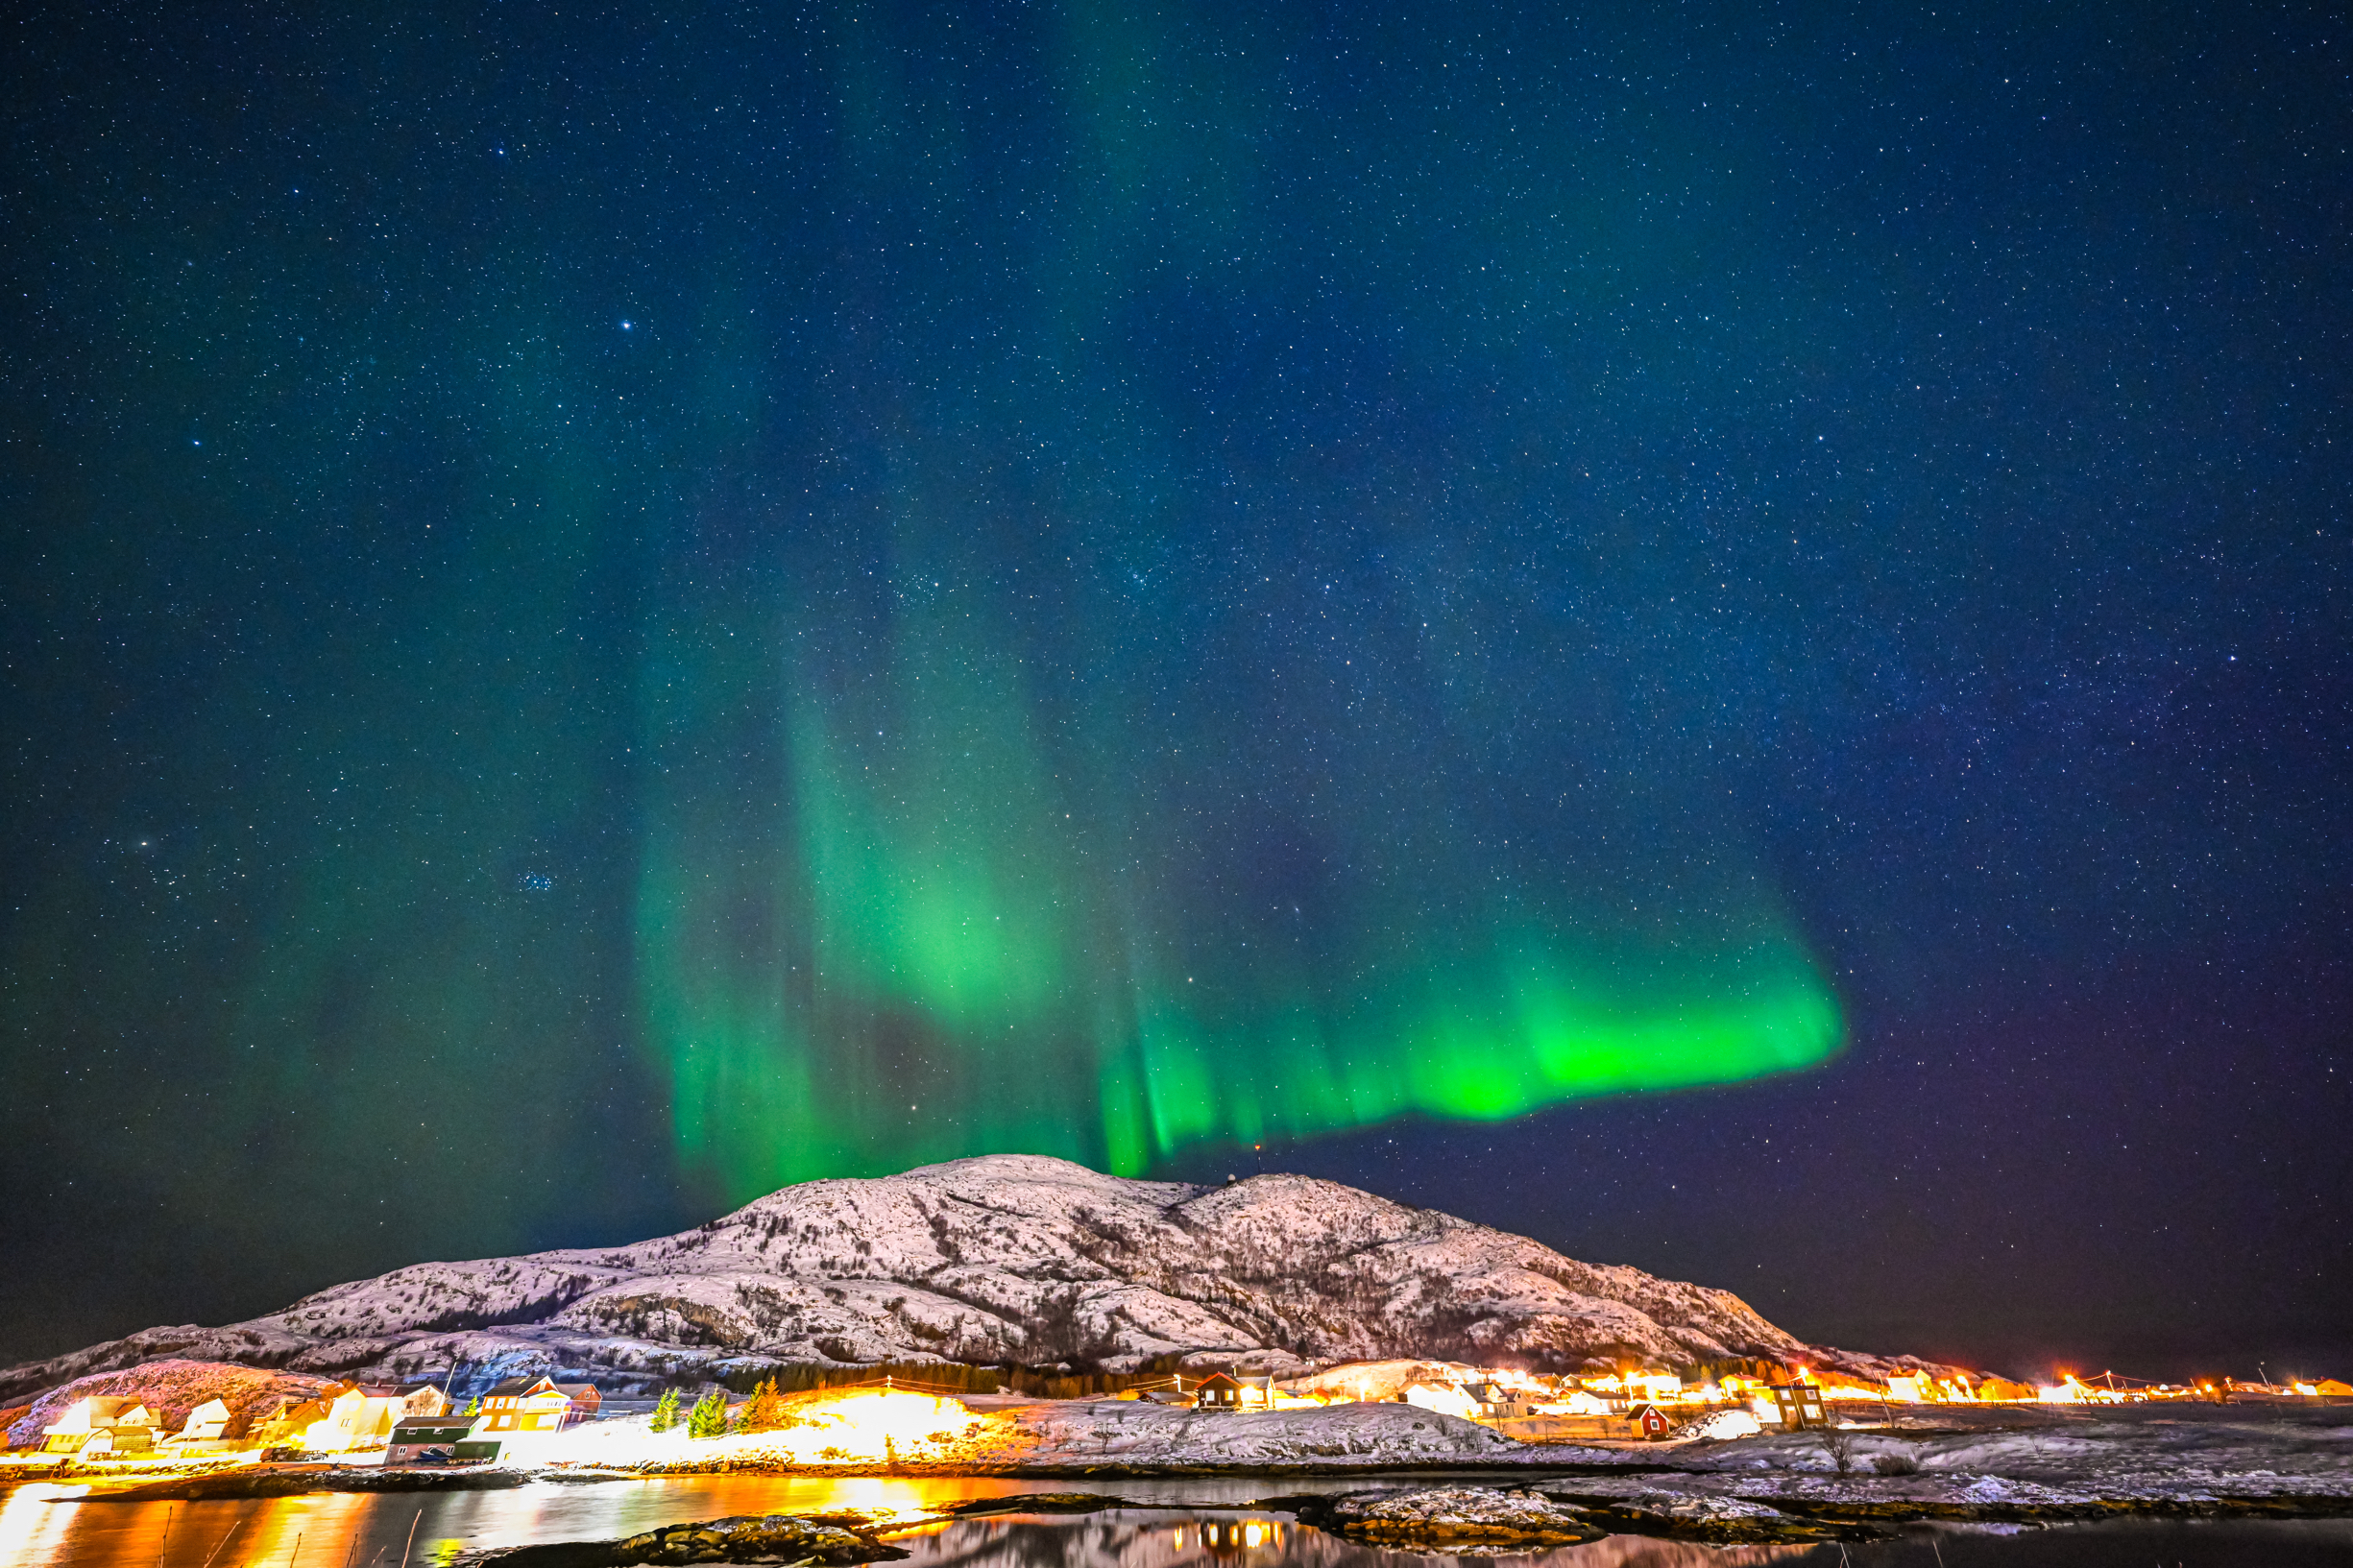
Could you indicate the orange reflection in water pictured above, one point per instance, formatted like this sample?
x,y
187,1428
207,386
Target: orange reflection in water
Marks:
x,y
46,1526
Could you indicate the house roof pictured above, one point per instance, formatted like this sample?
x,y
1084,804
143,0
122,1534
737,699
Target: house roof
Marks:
x,y
304,1413
516,1387
107,1407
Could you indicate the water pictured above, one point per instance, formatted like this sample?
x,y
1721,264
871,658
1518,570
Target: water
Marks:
x,y
38,1529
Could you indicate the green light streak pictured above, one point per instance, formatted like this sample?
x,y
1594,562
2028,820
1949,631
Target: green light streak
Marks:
x,y
943,935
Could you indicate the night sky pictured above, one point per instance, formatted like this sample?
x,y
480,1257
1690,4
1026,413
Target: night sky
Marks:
x,y
1718,634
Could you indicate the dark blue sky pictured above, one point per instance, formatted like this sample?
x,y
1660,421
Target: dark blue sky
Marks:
x,y
1715,633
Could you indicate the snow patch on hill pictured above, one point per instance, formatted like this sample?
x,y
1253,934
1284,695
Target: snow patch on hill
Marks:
x,y
1001,1259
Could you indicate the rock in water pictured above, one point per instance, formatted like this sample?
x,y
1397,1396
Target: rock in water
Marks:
x,y
1453,1520
774,1537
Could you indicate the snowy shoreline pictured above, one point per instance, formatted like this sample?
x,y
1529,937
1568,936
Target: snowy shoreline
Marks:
x,y
2025,1465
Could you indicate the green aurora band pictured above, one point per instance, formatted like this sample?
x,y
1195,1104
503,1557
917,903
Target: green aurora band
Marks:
x,y
969,883
1103,602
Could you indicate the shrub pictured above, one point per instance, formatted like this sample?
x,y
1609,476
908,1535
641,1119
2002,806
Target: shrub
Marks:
x,y
1906,1463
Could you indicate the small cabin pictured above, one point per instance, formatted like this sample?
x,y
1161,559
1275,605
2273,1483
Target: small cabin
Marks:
x,y
1650,1423
1233,1392
429,1439
1219,1391
1800,1405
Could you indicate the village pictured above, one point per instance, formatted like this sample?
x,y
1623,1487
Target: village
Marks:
x,y
893,1421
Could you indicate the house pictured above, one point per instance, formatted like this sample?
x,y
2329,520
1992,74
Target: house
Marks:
x,y
1493,1402
206,1429
206,1422
1799,1405
586,1401
1650,1423
1233,1392
537,1404
285,1423
356,1415
1578,1402
2003,1388
126,1424
1218,1391
431,1439
426,1399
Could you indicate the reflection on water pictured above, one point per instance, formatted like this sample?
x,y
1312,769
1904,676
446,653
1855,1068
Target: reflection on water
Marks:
x,y
40,1526
2120,1543
351,1530
1138,1540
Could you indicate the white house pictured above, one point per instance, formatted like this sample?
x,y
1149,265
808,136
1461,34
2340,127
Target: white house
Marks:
x,y
360,1415
99,1416
206,1426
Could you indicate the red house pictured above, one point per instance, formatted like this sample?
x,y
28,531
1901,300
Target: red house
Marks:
x,y
537,1404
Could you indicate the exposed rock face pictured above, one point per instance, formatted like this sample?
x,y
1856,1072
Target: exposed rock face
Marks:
x,y
1006,1257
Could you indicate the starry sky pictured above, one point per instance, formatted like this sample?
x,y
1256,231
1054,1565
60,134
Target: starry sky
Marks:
x,y
1716,633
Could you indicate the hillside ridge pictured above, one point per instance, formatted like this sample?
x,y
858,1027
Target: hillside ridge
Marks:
x,y
992,1260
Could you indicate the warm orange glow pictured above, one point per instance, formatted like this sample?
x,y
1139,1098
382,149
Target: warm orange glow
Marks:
x,y
851,1426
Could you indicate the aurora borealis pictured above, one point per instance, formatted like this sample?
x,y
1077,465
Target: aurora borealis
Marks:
x,y
1033,865
610,610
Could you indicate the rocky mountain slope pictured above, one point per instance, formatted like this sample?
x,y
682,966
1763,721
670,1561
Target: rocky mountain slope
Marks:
x,y
1006,1257
170,1389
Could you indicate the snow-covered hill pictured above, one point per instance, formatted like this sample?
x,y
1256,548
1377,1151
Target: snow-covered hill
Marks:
x,y
1006,1257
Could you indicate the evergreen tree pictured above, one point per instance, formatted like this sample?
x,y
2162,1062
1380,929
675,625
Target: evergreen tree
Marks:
x,y
766,1410
473,1406
709,1416
666,1410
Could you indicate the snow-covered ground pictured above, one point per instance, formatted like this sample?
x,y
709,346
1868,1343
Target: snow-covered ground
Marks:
x,y
1074,1435
2150,1454
1080,1435
2147,1453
